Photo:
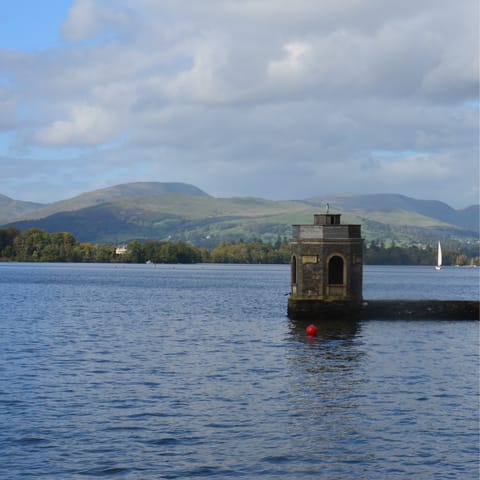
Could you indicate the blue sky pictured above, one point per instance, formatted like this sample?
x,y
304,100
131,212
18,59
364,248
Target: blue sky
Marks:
x,y
267,98
32,25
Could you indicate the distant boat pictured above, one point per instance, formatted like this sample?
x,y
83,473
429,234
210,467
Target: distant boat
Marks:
x,y
438,266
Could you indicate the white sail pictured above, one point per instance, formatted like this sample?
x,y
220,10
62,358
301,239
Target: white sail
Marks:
x,y
439,257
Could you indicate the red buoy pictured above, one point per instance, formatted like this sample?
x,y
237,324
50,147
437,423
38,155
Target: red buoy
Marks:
x,y
312,331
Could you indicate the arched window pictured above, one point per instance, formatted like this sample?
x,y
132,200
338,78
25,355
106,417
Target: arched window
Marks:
x,y
294,269
335,270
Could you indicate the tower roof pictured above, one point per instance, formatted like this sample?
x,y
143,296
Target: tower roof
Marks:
x,y
326,226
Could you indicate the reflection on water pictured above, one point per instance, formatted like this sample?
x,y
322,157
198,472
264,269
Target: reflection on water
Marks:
x,y
385,396
327,329
333,353
325,379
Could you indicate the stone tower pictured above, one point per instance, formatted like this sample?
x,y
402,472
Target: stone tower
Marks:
x,y
326,268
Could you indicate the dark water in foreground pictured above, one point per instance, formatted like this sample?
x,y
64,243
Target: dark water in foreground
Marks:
x,y
139,372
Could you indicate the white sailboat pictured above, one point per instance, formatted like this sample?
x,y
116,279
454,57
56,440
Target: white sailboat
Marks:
x,y
438,266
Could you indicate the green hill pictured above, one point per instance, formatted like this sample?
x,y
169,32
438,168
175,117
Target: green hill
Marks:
x,y
202,220
182,212
399,209
10,208
110,194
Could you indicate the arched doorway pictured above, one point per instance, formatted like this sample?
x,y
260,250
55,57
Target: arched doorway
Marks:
x,y
294,269
293,275
335,270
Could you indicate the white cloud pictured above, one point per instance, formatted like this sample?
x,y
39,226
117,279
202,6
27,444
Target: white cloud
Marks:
x,y
225,92
414,165
203,82
87,125
296,62
89,18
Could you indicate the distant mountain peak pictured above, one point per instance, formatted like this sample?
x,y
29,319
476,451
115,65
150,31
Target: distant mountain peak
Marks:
x,y
394,202
110,194
153,188
5,199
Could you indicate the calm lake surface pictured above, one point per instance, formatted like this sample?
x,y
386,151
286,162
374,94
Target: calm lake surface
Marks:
x,y
165,372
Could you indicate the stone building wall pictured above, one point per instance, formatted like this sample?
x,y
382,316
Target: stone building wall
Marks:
x,y
316,275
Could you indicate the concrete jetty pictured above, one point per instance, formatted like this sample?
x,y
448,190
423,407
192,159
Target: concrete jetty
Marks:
x,y
386,310
421,309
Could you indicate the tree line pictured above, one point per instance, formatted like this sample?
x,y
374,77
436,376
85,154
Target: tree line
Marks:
x,y
377,253
36,245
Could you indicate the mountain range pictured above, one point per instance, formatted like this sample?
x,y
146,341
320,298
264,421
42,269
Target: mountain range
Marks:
x,y
183,212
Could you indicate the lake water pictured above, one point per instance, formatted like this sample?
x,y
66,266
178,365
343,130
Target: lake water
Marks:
x,y
144,372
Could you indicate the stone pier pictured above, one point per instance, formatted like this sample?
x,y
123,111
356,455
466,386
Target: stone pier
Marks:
x,y
386,310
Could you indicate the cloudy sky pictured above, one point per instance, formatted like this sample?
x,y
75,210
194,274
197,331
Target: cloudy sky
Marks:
x,y
282,99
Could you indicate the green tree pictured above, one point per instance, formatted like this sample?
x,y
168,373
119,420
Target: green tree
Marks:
x,y
151,250
7,241
29,245
87,252
104,253
65,246
135,252
461,259
50,253
186,253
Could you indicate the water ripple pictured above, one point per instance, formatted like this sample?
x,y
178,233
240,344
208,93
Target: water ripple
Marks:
x,y
195,372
